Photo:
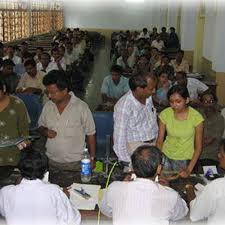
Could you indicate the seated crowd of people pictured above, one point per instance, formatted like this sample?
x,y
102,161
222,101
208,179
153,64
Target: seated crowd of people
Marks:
x,y
159,117
23,70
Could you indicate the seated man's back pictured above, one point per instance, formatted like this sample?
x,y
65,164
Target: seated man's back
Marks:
x,y
143,201
34,201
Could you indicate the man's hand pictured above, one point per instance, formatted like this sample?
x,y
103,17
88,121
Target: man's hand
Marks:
x,y
184,173
23,144
51,134
93,164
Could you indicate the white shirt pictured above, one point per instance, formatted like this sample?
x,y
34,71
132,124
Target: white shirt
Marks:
x,y
142,202
51,66
16,59
133,122
35,202
159,45
120,62
195,87
27,81
62,62
142,35
210,203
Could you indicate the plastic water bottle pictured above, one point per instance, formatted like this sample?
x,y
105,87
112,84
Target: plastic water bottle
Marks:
x,y
85,166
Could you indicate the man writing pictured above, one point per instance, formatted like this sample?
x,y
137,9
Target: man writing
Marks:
x,y
66,121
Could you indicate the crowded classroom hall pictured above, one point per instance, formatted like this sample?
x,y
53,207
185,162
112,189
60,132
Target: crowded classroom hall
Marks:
x,y
135,109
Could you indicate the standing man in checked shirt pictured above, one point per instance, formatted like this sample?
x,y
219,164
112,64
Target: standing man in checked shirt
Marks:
x,y
135,121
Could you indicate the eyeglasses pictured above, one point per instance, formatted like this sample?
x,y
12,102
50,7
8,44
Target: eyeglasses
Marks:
x,y
208,101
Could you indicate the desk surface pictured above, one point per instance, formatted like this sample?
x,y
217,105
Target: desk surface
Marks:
x,y
177,185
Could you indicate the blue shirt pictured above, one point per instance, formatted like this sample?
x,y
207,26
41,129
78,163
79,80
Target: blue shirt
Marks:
x,y
112,90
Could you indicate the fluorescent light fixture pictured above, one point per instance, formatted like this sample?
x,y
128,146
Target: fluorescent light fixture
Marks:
x,y
135,1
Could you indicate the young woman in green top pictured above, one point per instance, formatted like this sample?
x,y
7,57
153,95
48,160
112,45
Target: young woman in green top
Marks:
x,y
182,128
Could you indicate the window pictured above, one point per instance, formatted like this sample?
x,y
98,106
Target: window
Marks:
x,y
21,19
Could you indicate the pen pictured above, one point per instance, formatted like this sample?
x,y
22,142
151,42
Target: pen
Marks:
x,y
83,193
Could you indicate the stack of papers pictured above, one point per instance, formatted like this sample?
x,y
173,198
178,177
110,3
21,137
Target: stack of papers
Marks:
x,y
80,202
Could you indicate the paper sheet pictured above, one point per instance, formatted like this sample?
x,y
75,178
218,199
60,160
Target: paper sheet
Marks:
x,y
211,168
79,202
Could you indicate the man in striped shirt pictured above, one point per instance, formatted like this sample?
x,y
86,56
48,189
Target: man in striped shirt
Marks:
x,y
135,120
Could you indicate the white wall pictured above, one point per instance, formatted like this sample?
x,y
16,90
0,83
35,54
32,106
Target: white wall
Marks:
x,y
188,26
172,13
209,30
218,51
116,14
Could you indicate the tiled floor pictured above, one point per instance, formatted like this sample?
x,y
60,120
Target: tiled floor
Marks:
x,y
101,68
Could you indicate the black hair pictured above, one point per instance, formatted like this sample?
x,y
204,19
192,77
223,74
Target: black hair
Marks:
x,y
4,87
33,164
163,28
40,48
145,29
181,51
145,161
24,43
30,62
183,74
62,47
8,62
28,55
163,71
54,50
117,69
179,89
172,28
140,80
165,56
45,53
57,77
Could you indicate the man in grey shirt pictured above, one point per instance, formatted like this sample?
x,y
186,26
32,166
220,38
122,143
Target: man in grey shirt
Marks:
x,y
66,121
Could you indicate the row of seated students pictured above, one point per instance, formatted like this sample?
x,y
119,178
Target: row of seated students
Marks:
x,y
141,154
23,71
135,60
167,40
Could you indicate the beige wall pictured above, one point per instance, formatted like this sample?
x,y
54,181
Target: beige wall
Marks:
x,y
220,88
188,55
207,68
219,77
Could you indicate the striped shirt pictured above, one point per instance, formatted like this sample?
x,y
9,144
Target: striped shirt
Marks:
x,y
142,201
133,122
